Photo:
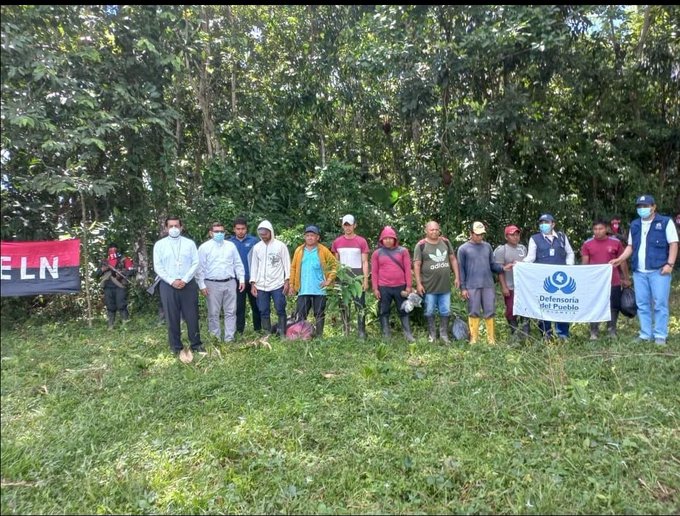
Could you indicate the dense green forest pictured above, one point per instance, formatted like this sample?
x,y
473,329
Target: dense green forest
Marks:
x,y
114,117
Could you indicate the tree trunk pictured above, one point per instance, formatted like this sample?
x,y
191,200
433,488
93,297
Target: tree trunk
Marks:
x,y
86,258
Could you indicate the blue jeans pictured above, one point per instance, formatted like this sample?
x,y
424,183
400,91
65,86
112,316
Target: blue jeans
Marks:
x,y
264,303
652,292
440,301
547,331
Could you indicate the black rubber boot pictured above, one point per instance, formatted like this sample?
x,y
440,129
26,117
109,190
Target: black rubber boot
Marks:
x,y
444,328
281,327
111,318
385,327
406,326
361,326
431,329
611,325
266,325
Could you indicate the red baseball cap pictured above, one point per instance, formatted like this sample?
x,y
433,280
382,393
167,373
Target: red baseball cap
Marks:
x,y
511,229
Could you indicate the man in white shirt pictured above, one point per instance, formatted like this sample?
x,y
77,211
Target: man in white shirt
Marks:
x,y
175,260
653,244
219,269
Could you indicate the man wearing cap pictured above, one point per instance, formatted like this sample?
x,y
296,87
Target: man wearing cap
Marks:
x,y
270,277
434,260
509,253
551,247
352,250
312,270
600,249
220,276
477,266
653,245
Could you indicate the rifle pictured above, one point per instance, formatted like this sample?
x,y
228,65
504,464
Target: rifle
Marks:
x,y
113,274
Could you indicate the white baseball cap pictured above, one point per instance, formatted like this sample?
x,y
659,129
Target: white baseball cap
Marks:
x,y
348,219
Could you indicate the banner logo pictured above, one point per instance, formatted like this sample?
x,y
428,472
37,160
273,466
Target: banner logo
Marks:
x,y
559,281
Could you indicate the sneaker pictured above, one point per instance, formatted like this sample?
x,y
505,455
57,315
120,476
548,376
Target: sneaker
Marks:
x,y
660,342
200,350
640,340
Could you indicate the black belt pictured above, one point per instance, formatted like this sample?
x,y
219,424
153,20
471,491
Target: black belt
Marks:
x,y
220,280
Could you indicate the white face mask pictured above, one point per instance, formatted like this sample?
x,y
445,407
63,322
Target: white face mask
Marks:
x,y
174,232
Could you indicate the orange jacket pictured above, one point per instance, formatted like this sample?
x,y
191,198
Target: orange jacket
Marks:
x,y
328,264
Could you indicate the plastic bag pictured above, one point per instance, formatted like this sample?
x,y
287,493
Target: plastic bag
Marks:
x,y
302,330
628,305
459,329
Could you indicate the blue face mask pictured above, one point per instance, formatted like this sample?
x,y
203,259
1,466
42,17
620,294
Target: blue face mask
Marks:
x,y
644,212
218,237
545,228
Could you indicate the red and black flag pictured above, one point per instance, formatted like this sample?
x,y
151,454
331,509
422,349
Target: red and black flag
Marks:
x,y
42,267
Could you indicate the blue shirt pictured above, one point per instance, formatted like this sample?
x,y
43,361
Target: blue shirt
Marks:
x,y
244,247
311,274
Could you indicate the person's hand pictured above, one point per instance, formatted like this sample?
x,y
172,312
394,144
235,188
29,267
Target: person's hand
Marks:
x,y
376,293
204,291
241,286
506,291
324,283
508,267
286,288
465,294
178,284
420,289
666,269
615,262
253,289
364,285
456,283
626,283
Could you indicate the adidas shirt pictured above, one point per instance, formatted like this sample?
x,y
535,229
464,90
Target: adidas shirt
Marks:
x,y
435,269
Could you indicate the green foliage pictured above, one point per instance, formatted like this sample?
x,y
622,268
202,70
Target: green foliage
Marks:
x,y
300,114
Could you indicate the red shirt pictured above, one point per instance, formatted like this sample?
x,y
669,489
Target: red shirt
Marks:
x,y
602,251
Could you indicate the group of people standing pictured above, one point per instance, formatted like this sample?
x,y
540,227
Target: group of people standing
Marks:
x,y
243,270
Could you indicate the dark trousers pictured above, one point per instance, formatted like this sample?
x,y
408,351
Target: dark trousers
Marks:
x,y
264,300
241,298
318,305
181,304
115,298
389,294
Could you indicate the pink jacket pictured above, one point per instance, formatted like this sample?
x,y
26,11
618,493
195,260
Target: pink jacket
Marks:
x,y
390,267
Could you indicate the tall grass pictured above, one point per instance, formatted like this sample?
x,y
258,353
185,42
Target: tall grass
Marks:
x,y
108,422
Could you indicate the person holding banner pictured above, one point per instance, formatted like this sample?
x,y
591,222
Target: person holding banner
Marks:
x,y
175,260
601,249
477,265
550,247
114,274
653,244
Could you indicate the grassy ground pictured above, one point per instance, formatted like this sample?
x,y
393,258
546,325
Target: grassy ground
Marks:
x,y
107,422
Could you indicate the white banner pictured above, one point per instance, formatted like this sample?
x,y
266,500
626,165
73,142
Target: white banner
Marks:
x,y
562,293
